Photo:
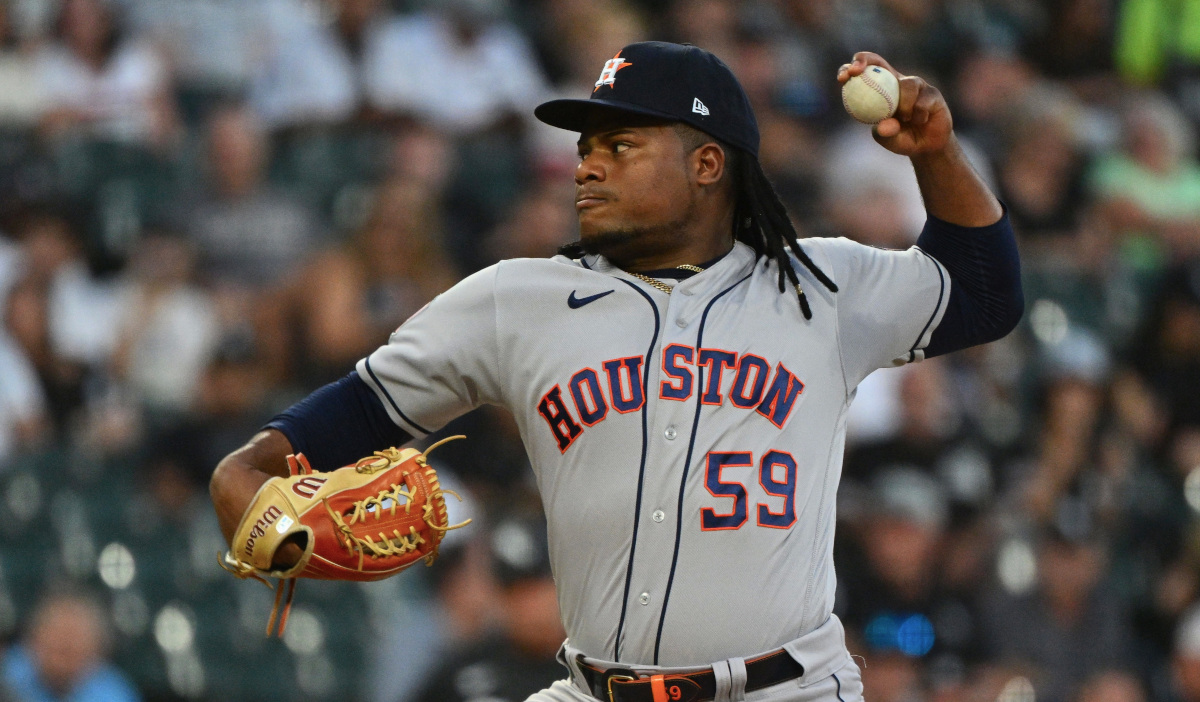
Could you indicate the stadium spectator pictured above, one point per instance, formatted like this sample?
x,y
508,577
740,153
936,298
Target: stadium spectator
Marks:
x,y
21,93
246,233
167,331
61,318
1155,44
1070,626
1041,171
315,71
251,239
537,225
64,656
99,83
459,65
518,658
24,422
404,126
359,292
1149,191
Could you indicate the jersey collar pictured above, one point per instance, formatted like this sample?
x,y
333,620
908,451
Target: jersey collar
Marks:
x,y
736,262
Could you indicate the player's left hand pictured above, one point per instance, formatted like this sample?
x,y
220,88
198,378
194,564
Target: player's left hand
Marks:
x,y
922,122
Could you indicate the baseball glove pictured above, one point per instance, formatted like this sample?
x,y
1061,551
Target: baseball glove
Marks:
x,y
365,521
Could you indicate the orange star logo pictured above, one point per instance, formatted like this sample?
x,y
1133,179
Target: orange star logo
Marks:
x,y
609,74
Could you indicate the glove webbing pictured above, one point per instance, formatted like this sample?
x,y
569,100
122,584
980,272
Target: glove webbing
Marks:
x,y
298,464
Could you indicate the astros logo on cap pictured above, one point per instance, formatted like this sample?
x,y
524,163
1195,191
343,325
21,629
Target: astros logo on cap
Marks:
x,y
609,74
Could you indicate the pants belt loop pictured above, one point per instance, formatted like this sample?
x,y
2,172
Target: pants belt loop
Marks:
x,y
658,688
575,666
737,675
723,680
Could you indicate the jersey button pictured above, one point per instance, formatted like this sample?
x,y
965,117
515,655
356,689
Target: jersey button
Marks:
x,y
658,515
681,322
670,433
644,598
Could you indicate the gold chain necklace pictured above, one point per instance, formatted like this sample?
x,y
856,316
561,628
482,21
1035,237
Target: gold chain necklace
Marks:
x,y
658,284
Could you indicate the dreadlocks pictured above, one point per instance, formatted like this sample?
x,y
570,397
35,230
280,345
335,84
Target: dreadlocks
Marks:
x,y
761,221
759,218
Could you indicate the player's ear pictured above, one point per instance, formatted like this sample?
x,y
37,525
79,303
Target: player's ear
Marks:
x,y
709,163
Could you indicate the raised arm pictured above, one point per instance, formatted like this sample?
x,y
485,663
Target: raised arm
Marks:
x,y
968,231
923,129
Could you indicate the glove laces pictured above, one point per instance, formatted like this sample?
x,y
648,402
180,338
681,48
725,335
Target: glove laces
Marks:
x,y
394,544
390,499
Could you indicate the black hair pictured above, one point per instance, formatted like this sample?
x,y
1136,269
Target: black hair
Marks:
x,y
760,219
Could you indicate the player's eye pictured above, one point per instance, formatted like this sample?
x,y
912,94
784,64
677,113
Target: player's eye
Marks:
x,y
620,146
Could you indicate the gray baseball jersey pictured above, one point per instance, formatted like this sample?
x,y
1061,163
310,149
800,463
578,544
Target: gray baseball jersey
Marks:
x,y
687,446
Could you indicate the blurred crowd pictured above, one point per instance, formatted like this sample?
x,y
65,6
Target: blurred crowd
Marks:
x,y
211,207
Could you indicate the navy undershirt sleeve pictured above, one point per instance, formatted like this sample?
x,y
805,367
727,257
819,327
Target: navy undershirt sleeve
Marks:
x,y
986,300
338,424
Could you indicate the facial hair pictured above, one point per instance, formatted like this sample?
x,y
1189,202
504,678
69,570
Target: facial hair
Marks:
x,y
624,243
605,242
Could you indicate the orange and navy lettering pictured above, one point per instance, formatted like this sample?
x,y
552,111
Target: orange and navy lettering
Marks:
x,y
717,361
592,408
556,414
724,486
781,397
785,488
622,388
679,387
710,520
746,393
625,383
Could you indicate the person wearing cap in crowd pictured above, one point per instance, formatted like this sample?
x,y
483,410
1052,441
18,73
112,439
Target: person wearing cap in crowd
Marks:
x,y
1070,625
518,658
899,585
680,378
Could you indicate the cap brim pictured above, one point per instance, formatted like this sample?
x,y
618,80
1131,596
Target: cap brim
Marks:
x,y
572,114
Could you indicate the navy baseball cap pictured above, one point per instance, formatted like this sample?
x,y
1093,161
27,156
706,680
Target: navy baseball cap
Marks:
x,y
677,82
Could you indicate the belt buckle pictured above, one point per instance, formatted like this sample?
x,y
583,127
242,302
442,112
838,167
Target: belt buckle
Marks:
x,y
609,682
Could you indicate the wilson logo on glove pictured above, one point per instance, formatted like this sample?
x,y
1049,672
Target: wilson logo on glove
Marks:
x,y
260,528
365,521
308,487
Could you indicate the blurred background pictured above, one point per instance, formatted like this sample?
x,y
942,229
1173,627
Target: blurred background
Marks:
x,y
208,208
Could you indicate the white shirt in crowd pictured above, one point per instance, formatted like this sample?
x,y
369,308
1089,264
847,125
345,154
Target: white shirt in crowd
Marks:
x,y
116,100
423,68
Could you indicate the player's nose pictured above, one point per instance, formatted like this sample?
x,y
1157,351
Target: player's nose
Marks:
x,y
589,169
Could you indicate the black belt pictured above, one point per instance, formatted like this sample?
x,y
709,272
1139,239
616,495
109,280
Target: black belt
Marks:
x,y
624,685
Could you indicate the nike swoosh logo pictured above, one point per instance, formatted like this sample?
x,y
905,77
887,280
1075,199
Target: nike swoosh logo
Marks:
x,y
577,302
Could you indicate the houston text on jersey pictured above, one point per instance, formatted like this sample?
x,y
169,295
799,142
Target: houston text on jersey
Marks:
x,y
622,388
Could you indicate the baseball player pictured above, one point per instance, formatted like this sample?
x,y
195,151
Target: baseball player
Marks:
x,y
681,380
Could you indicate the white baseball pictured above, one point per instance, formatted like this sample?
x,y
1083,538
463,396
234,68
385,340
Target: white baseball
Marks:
x,y
873,96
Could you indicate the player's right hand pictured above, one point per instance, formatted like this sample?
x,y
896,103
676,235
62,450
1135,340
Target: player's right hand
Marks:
x,y
922,123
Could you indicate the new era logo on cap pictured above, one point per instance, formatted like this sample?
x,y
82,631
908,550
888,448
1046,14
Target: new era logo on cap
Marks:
x,y
699,107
